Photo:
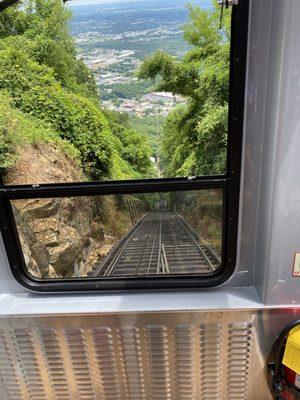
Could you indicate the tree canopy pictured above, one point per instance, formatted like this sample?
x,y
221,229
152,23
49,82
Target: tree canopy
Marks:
x,y
41,74
195,135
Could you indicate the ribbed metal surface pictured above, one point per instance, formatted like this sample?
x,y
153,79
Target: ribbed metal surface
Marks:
x,y
129,340
185,360
31,359
185,356
12,382
238,363
55,365
105,364
210,364
159,363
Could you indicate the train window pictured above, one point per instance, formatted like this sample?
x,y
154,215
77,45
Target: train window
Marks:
x,y
121,235
120,142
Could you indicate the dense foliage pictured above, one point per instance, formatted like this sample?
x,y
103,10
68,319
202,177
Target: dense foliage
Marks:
x,y
42,77
133,147
128,90
41,74
150,125
18,129
194,140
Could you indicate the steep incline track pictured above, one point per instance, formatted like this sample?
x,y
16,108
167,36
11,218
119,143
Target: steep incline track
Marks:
x,y
161,243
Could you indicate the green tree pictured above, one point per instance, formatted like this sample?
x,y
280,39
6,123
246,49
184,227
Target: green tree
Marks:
x,y
133,146
18,129
194,139
34,90
44,26
41,74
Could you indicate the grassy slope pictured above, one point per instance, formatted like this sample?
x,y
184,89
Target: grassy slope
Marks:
x,y
18,129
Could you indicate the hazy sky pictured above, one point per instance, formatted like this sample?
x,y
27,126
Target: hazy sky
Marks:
x,y
83,2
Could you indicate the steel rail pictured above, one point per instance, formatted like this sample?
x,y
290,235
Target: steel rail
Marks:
x,y
156,240
159,246
153,247
120,253
165,260
123,248
143,248
195,241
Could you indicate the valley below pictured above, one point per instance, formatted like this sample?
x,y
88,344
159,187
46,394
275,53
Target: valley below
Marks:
x,y
114,39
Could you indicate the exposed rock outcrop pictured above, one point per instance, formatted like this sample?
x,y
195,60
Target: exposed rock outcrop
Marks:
x,y
62,237
52,238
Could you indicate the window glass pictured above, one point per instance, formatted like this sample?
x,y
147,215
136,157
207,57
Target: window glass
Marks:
x,y
121,235
95,90
114,97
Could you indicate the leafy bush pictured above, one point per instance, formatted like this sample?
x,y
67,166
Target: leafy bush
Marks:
x,y
17,129
8,149
43,27
195,136
133,146
40,72
35,91
77,120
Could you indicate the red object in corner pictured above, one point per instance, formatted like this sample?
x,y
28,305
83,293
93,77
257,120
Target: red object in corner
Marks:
x,y
287,395
290,375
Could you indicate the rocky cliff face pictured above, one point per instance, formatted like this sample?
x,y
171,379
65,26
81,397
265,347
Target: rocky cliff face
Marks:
x,y
61,237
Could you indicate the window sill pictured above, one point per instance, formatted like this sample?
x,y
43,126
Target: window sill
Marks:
x,y
37,305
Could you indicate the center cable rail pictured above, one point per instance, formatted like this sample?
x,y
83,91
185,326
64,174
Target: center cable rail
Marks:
x,y
162,242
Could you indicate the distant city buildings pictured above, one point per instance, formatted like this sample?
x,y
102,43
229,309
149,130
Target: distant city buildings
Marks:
x,y
114,67
160,103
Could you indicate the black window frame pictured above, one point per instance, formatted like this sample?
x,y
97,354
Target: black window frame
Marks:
x,y
229,182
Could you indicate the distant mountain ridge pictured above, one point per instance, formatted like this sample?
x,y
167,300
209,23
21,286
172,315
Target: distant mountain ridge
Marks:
x,y
76,3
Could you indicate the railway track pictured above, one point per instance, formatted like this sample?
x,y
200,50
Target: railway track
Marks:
x,y
161,243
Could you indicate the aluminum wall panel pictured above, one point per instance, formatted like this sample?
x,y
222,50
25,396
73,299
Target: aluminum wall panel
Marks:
x,y
155,356
271,195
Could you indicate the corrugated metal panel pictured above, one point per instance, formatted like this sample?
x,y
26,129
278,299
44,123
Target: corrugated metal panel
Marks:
x,y
158,360
238,360
55,364
129,341
185,360
102,351
210,363
12,378
184,356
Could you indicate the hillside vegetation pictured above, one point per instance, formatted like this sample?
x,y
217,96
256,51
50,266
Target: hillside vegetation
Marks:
x,y
41,76
53,128
195,135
